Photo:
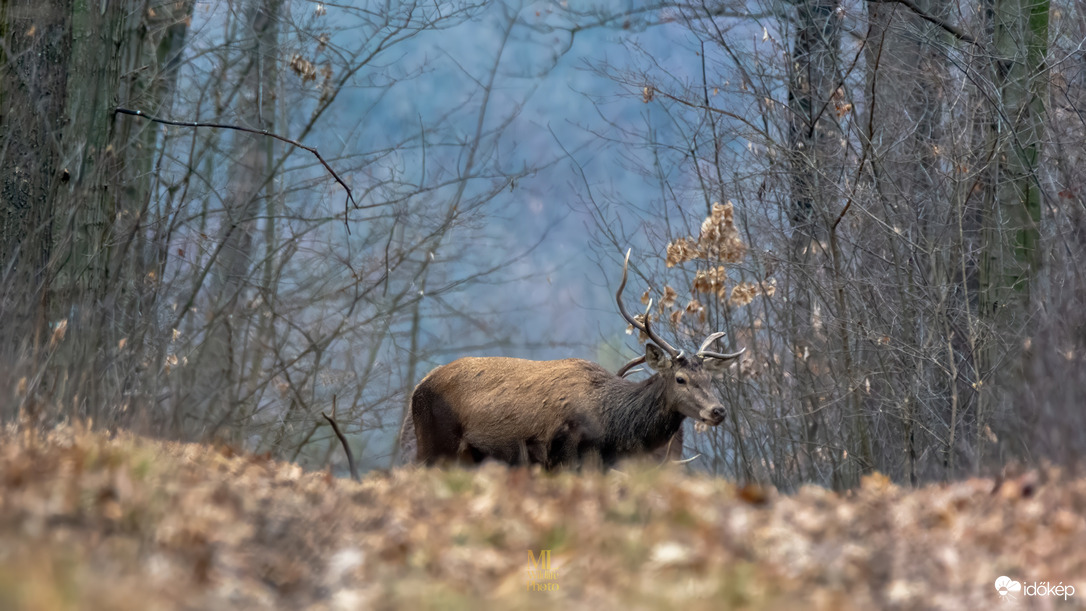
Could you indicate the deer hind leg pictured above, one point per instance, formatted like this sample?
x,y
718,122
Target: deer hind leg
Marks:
x,y
437,430
467,454
535,452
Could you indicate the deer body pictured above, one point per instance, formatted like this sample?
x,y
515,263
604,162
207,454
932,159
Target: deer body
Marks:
x,y
509,409
556,413
551,412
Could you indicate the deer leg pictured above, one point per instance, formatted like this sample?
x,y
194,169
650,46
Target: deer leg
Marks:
x,y
423,419
672,450
467,455
576,440
536,452
437,428
591,458
563,450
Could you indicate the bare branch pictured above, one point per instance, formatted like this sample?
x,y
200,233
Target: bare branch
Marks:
x,y
346,448
259,132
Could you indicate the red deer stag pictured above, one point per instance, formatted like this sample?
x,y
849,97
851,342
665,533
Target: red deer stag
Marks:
x,y
556,413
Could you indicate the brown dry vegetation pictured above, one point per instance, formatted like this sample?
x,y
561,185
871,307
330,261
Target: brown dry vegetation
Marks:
x,y
90,521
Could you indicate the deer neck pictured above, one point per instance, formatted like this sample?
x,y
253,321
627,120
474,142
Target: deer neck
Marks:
x,y
639,419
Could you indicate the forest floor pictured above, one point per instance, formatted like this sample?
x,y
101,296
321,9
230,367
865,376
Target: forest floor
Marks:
x,y
90,521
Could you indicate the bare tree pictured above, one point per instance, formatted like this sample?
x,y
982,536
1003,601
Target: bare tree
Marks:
x,y
75,255
205,281
886,162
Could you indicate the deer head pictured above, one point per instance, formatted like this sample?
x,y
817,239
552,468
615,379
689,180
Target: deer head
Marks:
x,y
687,379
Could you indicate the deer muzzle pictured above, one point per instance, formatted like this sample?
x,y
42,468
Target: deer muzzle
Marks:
x,y
713,416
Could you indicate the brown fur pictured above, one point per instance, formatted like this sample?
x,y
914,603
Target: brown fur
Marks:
x,y
554,413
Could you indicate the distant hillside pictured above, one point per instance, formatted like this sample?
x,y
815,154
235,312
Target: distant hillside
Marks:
x,y
93,522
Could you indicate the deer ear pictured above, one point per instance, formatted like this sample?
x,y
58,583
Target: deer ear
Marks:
x,y
656,357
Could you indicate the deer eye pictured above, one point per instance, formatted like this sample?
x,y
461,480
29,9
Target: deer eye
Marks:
x,y
680,380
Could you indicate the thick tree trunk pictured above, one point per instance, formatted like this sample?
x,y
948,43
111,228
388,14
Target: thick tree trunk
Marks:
x,y
72,230
34,69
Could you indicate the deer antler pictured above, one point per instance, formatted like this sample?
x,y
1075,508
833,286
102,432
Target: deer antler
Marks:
x,y
675,354
720,355
641,359
706,354
708,340
628,366
703,353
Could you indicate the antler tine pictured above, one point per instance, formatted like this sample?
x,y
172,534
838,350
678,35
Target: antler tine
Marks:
x,y
633,321
618,295
628,366
708,340
675,354
721,355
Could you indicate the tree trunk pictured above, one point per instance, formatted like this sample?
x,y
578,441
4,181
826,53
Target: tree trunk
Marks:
x,y
33,97
218,374
71,230
904,93
814,154
1011,254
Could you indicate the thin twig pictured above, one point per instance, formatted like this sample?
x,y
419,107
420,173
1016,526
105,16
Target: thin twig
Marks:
x,y
346,448
259,132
